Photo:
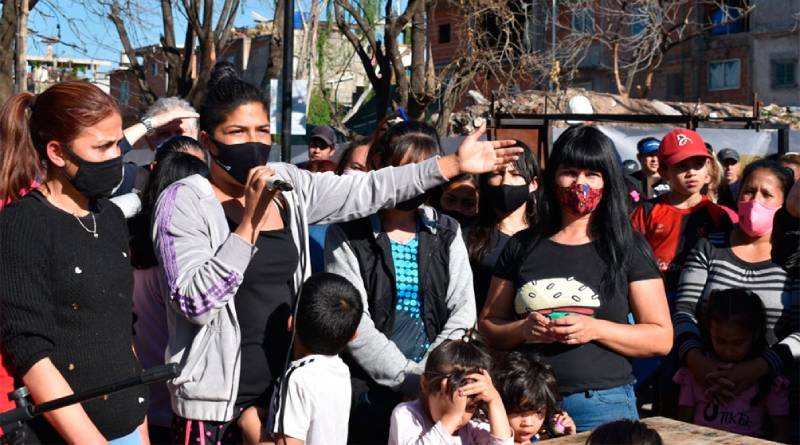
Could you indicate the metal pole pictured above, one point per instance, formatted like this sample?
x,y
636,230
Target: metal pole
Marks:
x,y
21,83
553,19
286,81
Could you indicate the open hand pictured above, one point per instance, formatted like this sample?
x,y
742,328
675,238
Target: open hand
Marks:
x,y
481,388
476,157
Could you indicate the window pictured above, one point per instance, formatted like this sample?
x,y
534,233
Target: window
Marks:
x,y
724,74
154,69
583,21
784,73
124,92
444,33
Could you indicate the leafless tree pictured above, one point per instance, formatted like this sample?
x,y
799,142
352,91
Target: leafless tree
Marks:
x,y
492,50
638,34
207,31
8,31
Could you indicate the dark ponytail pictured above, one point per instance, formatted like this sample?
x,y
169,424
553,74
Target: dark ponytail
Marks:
x,y
226,91
19,162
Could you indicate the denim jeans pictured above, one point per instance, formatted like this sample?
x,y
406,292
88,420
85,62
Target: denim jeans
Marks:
x,y
592,408
133,438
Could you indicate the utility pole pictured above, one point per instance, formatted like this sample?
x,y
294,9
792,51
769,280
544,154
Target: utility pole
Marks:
x,y
286,81
553,19
21,80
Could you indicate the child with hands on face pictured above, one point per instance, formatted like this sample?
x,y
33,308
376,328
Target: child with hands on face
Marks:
x,y
530,394
455,386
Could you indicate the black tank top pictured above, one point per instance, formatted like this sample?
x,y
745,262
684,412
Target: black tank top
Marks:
x,y
263,305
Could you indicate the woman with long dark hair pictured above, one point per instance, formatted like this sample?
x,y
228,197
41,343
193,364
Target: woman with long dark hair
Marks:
x,y
65,273
510,201
234,250
564,289
411,268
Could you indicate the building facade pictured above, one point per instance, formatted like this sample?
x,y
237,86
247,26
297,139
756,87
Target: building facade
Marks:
x,y
756,56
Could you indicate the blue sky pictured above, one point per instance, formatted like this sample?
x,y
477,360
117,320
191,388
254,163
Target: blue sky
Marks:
x,y
87,34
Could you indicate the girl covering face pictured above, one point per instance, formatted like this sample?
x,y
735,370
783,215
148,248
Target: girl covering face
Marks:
x,y
734,326
455,385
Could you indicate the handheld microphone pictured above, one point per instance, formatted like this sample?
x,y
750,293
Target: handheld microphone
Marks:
x,y
279,184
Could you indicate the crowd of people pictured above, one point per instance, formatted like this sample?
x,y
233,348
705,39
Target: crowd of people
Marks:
x,y
385,292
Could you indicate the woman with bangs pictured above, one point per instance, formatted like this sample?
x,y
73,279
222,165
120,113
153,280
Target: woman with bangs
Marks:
x,y
411,268
563,290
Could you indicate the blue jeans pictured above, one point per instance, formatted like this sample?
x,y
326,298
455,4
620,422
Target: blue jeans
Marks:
x,y
133,438
592,408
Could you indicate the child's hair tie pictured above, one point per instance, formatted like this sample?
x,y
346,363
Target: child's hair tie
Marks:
x,y
469,335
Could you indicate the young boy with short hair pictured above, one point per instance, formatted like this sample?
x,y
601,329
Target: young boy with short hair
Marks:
x,y
673,222
311,404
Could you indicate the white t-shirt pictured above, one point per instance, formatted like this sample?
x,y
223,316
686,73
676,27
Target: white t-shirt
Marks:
x,y
411,425
317,401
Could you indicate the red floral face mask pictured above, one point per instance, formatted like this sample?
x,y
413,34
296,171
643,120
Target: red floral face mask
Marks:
x,y
579,199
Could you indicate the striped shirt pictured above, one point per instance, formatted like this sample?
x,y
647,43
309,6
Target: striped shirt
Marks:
x,y
713,265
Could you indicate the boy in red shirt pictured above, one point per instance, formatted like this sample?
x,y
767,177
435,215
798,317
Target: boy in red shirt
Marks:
x,y
672,223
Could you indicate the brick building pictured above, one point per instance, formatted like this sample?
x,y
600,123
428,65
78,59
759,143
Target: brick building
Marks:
x,y
756,55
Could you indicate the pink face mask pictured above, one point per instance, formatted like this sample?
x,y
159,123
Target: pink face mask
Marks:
x,y
755,219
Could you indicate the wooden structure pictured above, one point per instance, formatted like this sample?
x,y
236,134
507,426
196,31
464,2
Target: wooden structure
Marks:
x,y
674,432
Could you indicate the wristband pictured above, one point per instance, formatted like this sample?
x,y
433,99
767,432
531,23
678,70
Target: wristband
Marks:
x,y
148,125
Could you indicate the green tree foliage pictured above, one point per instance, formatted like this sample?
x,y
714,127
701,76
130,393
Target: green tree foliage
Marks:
x,y
319,113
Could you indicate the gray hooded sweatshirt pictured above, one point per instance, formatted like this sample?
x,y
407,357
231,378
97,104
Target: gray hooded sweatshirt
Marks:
x,y
203,265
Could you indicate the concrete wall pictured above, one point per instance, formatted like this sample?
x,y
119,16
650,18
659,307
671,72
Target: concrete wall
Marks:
x,y
774,15
767,49
776,36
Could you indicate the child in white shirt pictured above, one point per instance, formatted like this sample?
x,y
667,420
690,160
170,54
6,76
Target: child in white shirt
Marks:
x,y
311,404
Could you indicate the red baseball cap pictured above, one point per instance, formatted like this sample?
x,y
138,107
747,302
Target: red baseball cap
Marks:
x,y
681,144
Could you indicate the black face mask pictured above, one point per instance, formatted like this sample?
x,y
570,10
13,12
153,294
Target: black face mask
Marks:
x,y
96,180
238,159
412,203
507,198
463,220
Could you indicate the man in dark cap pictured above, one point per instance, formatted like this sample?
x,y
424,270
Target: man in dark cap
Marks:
x,y
322,144
729,189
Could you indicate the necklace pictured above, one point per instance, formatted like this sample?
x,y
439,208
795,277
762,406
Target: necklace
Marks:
x,y
93,230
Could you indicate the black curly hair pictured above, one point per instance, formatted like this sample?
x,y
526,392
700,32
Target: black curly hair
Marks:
x,y
225,92
526,384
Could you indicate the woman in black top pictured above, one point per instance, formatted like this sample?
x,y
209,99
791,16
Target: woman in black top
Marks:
x,y
509,202
65,274
564,291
